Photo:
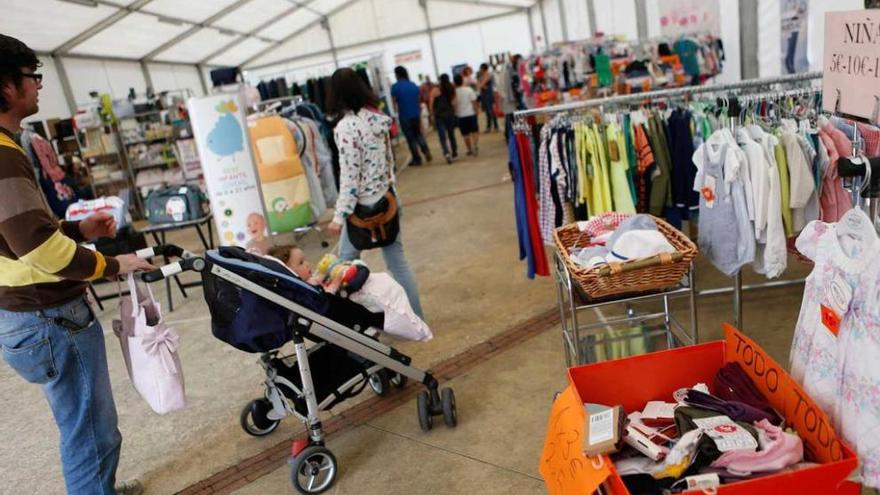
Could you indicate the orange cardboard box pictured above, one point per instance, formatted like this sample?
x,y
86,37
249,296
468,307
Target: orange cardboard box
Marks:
x,y
632,382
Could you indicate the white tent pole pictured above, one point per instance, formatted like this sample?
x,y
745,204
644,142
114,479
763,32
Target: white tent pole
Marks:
x,y
201,69
147,78
531,31
424,5
642,18
544,24
591,17
517,11
65,84
117,16
325,23
562,21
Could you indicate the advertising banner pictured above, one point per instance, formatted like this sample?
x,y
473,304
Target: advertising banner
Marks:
x,y
220,131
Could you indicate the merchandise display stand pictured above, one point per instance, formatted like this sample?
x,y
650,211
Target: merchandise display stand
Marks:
x,y
579,338
640,98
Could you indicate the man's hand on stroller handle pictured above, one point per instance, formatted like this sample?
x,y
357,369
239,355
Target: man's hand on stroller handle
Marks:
x,y
188,261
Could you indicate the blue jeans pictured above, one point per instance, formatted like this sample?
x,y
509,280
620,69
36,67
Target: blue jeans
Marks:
x,y
412,130
446,132
397,265
62,349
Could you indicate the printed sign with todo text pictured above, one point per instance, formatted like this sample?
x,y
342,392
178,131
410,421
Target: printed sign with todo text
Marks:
x,y
851,68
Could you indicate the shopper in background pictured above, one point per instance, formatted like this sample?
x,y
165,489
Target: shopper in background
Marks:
x,y
467,74
48,332
442,107
466,110
425,89
486,86
366,169
406,102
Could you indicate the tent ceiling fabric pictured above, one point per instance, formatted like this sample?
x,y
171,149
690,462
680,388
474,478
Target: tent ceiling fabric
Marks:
x,y
190,32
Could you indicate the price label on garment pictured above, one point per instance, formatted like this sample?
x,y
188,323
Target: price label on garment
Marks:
x,y
835,302
851,77
727,434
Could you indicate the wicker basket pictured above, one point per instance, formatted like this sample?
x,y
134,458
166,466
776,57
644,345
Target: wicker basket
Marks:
x,y
642,275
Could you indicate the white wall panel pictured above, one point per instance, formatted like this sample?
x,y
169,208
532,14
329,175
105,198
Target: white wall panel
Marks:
x,y
577,18
496,35
408,44
125,75
554,22
52,102
86,75
538,29
459,45
617,17
168,77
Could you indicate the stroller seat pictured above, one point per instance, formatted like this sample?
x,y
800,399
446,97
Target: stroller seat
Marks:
x,y
254,324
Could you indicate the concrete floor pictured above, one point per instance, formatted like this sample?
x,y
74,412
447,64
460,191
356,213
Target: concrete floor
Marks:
x,y
461,241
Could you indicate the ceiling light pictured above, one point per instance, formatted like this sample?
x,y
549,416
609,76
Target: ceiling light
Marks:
x,y
87,3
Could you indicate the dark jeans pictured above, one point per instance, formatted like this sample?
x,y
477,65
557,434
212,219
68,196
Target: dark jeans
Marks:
x,y
488,103
412,129
446,131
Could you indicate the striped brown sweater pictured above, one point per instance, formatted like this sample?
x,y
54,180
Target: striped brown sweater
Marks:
x,y
41,265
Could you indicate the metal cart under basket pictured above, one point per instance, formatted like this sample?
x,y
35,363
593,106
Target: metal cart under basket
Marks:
x,y
582,337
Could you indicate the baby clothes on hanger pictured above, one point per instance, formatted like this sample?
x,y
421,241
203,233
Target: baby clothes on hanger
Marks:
x,y
726,237
618,164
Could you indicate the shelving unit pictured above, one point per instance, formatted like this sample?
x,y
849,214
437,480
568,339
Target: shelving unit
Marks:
x,y
102,151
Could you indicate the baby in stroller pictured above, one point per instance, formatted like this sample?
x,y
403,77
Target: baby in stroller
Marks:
x,y
377,292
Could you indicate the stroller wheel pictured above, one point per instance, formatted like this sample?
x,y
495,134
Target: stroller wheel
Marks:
x,y
398,380
379,382
314,470
450,413
423,403
254,418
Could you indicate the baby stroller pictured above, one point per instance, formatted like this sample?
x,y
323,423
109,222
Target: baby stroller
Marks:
x,y
257,305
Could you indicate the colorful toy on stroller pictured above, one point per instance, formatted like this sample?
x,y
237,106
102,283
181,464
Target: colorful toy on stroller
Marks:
x,y
257,305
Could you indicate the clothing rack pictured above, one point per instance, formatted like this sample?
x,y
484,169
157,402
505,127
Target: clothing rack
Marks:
x,y
738,286
667,93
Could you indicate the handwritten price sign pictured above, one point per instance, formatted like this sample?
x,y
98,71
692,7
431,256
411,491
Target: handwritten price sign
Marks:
x,y
565,468
852,62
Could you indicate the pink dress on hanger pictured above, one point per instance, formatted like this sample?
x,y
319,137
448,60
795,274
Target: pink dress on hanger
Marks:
x,y
834,201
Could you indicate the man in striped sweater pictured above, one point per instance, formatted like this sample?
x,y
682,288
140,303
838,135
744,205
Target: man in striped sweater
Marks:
x,y
48,333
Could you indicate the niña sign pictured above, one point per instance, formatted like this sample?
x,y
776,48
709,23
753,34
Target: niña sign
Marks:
x,y
851,80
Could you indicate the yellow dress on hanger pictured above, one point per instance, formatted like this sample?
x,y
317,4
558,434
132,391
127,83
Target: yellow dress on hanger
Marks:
x,y
619,164
782,163
601,183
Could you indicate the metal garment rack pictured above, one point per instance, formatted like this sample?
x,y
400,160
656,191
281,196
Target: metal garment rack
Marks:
x,y
571,331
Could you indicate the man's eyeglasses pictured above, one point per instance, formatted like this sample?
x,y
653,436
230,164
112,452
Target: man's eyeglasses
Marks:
x,y
36,77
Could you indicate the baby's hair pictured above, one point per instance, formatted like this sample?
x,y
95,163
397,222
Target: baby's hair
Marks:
x,y
282,252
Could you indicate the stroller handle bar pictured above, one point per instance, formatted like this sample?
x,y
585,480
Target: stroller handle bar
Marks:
x,y
188,261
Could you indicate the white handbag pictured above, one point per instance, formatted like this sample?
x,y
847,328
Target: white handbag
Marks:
x,y
149,348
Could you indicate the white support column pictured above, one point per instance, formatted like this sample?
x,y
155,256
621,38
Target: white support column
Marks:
x,y
430,30
591,14
325,23
531,30
147,78
65,84
205,87
544,24
642,18
562,21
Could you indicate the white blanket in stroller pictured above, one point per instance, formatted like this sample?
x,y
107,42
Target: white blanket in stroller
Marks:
x,y
381,293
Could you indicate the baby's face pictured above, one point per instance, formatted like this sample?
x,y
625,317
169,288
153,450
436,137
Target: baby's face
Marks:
x,y
255,225
299,264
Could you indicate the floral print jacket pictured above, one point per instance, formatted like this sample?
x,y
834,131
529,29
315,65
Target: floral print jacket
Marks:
x,y
366,164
